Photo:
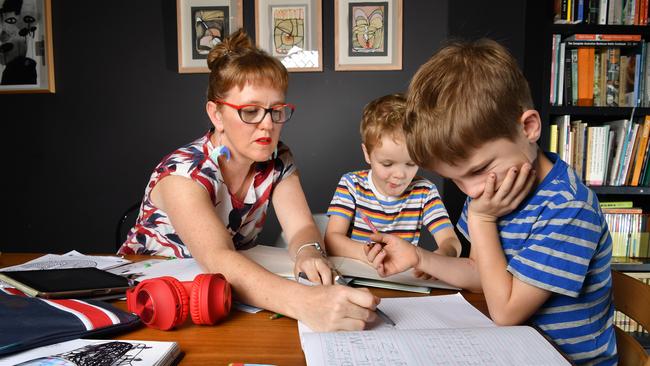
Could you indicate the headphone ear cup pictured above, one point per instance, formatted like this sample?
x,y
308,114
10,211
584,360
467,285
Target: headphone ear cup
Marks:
x,y
210,298
161,303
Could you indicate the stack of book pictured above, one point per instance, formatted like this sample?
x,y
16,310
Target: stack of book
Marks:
x,y
613,153
627,12
628,227
599,70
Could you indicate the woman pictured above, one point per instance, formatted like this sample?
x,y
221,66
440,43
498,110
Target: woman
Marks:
x,y
209,198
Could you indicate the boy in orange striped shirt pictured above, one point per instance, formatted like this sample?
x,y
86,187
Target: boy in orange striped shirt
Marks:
x,y
388,197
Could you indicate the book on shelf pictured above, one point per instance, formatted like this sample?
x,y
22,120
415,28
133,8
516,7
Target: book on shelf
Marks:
x,y
599,70
593,37
628,229
607,153
616,204
641,152
618,12
96,352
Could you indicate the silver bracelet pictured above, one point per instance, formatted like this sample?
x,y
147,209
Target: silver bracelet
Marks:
x,y
315,245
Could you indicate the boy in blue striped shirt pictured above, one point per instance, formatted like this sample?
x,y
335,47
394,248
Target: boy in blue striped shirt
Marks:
x,y
541,248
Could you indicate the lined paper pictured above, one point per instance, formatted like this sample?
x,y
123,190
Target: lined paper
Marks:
x,y
517,345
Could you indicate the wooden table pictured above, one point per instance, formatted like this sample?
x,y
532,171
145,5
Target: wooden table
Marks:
x,y
242,337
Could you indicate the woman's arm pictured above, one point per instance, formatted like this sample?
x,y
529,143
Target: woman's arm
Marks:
x,y
193,216
337,241
298,225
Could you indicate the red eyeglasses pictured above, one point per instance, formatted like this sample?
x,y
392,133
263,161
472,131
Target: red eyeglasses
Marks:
x,y
254,114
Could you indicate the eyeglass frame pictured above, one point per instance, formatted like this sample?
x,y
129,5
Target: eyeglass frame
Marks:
x,y
268,110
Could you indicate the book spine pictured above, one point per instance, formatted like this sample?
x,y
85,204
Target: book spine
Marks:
x,y
613,64
574,77
560,78
553,139
599,43
554,73
602,12
616,204
597,83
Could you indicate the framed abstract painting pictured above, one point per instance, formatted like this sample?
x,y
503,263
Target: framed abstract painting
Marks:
x,y
201,24
26,53
291,30
367,35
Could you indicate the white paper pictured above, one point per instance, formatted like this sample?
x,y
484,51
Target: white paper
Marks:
x,y
71,259
144,352
183,269
135,270
461,346
425,312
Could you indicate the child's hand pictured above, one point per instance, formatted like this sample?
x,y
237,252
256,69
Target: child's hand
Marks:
x,y
390,254
493,203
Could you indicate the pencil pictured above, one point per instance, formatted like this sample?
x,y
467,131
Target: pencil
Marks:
x,y
366,219
276,316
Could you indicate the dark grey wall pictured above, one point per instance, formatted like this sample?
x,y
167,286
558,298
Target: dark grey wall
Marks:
x,y
76,159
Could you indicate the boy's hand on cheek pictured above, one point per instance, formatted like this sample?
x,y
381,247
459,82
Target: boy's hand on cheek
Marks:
x,y
492,204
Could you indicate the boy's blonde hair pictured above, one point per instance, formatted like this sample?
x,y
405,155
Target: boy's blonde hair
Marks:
x,y
382,116
467,94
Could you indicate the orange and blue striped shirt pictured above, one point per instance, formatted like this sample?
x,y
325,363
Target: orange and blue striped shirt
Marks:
x,y
404,216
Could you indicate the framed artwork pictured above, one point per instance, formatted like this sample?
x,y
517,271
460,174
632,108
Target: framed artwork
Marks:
x,y
367,35
26,55
201,24
291,30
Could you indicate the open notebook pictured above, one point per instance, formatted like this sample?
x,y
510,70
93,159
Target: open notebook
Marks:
x,y
277,260
431,330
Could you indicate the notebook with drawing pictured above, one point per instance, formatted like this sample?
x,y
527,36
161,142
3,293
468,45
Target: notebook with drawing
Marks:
x,y
96,352
430,330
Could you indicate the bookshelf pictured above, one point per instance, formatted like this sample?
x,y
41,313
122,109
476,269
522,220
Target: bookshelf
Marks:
x,y
540,29
537,69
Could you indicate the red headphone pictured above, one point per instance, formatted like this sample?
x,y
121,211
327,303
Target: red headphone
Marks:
x,y
163,302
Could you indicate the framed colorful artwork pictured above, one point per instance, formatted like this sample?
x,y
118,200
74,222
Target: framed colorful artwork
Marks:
x,y
291,30
26,55
367,35
201,24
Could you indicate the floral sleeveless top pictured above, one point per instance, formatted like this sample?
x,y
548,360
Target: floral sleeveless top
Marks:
x,y
154,234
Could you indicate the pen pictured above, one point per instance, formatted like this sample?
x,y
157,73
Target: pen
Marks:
x,y
338,278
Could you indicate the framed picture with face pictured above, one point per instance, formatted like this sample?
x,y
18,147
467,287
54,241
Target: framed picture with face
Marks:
x,y
26,55
201,24
291,30
367,35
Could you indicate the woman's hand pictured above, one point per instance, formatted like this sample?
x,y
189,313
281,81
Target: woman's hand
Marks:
x,y
494,203
311,262
332,308
390,254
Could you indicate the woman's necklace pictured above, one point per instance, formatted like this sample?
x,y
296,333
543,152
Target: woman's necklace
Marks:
x,y
239,190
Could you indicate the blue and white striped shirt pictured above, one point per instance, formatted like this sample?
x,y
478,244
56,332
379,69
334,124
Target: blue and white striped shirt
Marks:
x,y
558,240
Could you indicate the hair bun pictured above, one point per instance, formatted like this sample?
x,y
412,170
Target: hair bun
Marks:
x,y
236,43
